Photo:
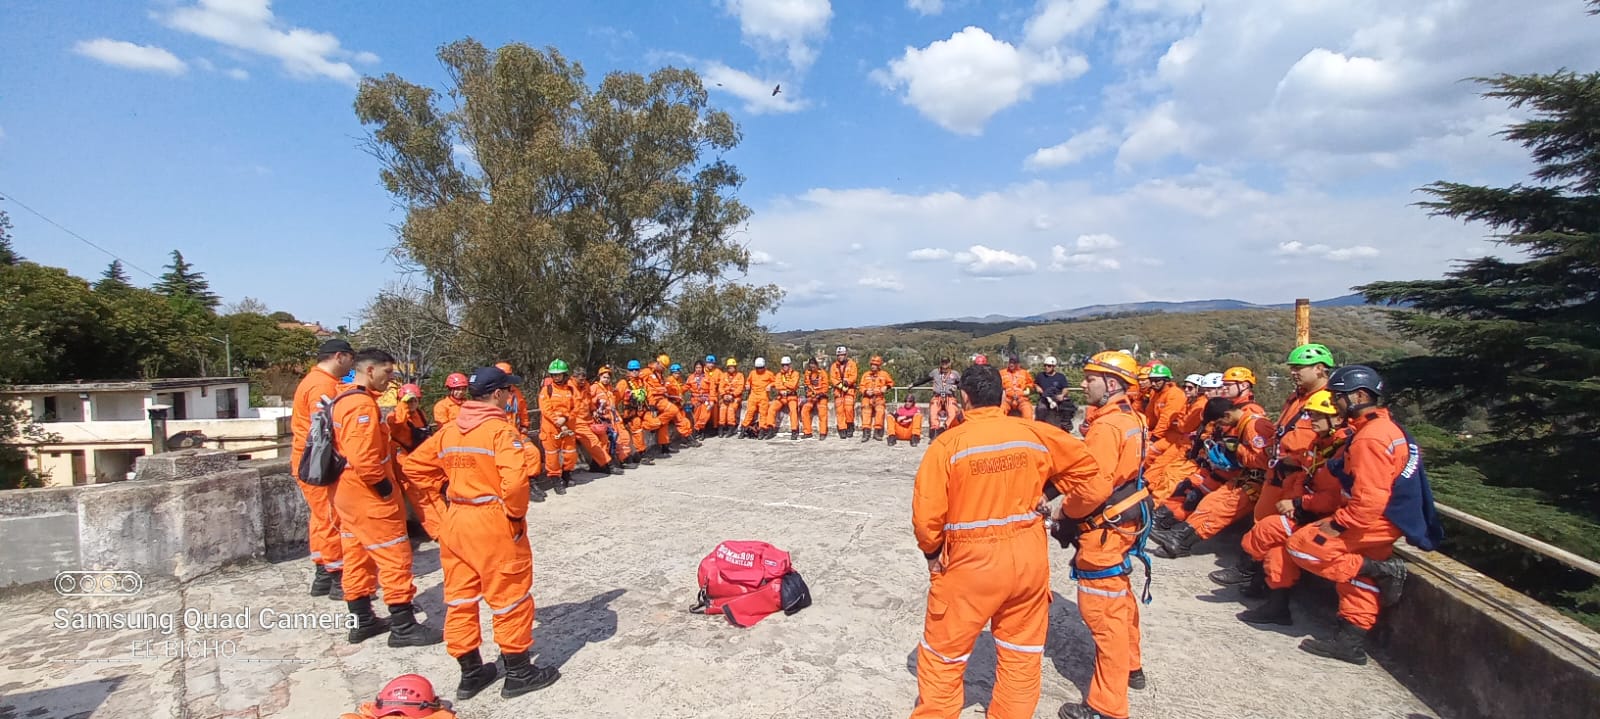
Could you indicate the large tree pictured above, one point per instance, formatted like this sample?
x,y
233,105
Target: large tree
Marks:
x,y
562,220
1521,336
113,279
8,256
414,326
182,282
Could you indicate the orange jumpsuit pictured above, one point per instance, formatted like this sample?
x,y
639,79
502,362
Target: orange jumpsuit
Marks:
x,y
322,531
483,463
944,398
875,384
1236,498
974,506
760,383
1017,383
603,399
1335,547
377,549
517,410
582,423
702,389
816,402
446,410
1268,541
714,375
559,415
1174,464
787,385
668,413
402,421
906,423
1117,440
730,391
843,377
1295,437
636,417
1165,412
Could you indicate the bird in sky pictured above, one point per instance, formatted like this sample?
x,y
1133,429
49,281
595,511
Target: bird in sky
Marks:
x,y
775,89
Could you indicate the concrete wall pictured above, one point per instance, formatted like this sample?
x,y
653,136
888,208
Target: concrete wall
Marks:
x,y
110,406
1474,649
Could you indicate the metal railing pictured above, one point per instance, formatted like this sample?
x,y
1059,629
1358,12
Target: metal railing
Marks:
x,y
1522,540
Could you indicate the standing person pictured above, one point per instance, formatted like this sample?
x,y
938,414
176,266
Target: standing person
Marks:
x,y
372,518
816,401
1110,515
974,511
843,374
482,464
1055,403
1018,382
943,408
446,409
558,418
875,385
787,383
335,358
407,429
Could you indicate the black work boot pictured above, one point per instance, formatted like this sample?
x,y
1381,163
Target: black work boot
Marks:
x,y
405,631
336,588
563,483
1136,679
522,677
794,434
616,466
1176,542
1257,588
1274,611
1240,573
1163,518
322,582
866,435
1348,644
891,440
475,675
1079,711
535,492
367,625
877,434
1390,574
916,439
555,485
695,442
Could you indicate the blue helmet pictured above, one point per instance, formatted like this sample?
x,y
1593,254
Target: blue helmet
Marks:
x,y
633,364
675,368
711,359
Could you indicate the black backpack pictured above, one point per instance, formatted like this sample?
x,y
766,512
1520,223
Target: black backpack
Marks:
x,y
320,463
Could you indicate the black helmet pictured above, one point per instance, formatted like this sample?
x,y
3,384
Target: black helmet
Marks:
x,y
1350,378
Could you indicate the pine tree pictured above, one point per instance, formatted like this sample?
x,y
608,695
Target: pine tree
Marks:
x,y
1521,337
8,256
114,278
181,281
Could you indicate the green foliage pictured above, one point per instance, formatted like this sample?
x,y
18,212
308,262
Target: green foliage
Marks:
x,y
8,255
578,222
414,326
258,342
113,279
185,286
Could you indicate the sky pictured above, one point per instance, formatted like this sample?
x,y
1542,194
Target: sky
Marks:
x,y
924,159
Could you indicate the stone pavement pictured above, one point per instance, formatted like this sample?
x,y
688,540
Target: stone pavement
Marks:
x,y
614,564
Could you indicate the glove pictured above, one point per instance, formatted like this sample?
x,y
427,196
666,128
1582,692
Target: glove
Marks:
x,y
1219,459
1191,499
384,488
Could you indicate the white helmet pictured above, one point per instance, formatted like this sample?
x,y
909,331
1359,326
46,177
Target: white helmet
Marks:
x,y
839,350
785,360
762,362
1049,361
1210,381
1194,379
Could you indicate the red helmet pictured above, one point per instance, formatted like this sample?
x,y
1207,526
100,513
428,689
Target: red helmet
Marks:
x,y
410,390
408,695
456,381
980,359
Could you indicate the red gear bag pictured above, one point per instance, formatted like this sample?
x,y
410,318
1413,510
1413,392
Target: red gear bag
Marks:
x,y
747,581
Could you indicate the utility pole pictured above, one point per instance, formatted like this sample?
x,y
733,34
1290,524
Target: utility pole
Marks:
x,y
227,351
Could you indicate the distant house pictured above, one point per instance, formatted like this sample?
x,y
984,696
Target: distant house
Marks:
x,y
100,428
315,328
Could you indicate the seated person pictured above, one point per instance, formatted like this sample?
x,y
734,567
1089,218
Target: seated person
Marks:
x,y
905,423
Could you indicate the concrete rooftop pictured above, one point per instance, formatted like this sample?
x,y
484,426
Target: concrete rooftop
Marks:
x,y
614,571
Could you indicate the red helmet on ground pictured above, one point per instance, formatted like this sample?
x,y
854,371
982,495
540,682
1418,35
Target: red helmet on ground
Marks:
x,y
456,381
408,695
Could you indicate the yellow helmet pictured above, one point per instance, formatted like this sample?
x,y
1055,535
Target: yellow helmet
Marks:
x,y
1321,402
1144,373
733,362
664,360
1239,374
1116,364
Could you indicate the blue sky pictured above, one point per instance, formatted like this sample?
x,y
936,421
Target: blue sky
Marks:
x,y
925,159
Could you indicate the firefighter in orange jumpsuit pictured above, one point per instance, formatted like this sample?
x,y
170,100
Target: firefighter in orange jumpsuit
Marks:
x,y
787,386
1389,499
714,376
408,695
843,375
559,415
407,429
1178,465
1300,503
1309,366
517,409
905,423
668,414
730,392
875,384
1110,519
483,465
372,517
975,513
446,409
593,443
816,401
1237,455
1165,411
1019,383
943,409
702,391
1139,394
758,382
605,395
321,384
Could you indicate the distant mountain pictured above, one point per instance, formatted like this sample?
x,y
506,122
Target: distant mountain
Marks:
x,y
1127,307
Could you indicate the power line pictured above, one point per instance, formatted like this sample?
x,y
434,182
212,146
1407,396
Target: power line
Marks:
x,y
18,203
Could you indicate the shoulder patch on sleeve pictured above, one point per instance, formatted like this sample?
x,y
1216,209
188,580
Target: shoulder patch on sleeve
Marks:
x,y
516,444
1259,442
363,419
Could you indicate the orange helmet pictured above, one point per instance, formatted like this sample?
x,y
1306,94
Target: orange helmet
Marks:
x,y
604,369
877,360
664,360
504,367
1115,364
456,381
1239,374
408,695
1144,372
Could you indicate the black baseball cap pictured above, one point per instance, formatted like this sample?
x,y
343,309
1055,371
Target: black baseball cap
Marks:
x,y
334,346
484,380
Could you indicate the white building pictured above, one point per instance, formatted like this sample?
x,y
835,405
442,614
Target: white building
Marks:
x,y
100,428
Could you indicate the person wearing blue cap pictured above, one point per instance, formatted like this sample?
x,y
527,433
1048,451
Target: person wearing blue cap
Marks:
x,y
714,376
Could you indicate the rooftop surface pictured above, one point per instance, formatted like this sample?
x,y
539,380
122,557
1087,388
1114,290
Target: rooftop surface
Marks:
x,y
130,385
614,572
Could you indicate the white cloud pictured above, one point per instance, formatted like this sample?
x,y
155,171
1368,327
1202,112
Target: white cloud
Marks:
x,y
792,26
1077,148
1056,19
366,58
133,57
1295,248
756,93
250,25
757,257
982,261
962,81
238,74
928,254
886,282
1062,259
926,7
1096,243
810,293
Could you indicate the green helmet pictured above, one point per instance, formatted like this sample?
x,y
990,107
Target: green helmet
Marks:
x,y
558,367
1160,371
1311,354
